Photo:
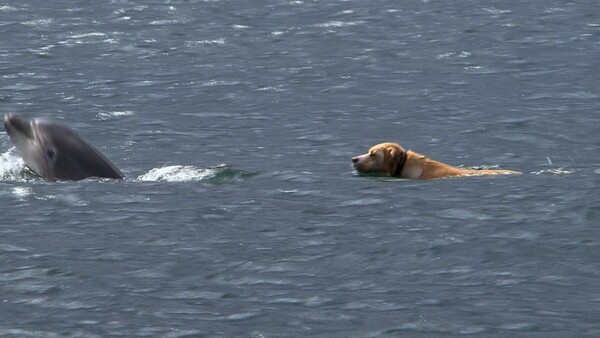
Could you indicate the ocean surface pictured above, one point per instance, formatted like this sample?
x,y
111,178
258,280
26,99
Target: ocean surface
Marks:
x,y
241,216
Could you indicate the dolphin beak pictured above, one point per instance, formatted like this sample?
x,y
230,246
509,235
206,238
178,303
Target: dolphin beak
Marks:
x,y
7,118
14,124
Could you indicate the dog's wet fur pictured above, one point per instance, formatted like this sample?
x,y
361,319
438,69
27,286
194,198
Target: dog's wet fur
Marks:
x,y
390,159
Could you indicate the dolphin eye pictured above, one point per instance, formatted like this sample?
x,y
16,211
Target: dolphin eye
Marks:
x,y
50,153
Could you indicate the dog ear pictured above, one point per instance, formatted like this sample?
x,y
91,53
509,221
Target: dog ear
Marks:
x,y
390,152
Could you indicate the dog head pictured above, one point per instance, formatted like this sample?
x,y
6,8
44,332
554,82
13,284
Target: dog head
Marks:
x,y
380,159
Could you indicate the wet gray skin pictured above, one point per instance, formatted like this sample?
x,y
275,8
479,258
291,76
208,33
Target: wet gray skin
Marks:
x,y
56,152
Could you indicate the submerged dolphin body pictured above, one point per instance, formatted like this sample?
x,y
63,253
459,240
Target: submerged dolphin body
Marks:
x,y
55,152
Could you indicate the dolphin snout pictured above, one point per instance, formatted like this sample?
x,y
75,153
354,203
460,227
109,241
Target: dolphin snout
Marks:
x,y
7,122
7,118
15,124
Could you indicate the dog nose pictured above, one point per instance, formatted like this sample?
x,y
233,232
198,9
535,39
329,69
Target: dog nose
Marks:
x,y
355,160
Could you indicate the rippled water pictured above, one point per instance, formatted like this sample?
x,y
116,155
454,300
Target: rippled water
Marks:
x,y
240,216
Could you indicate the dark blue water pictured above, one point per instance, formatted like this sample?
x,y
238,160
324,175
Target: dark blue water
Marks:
x,y
235,122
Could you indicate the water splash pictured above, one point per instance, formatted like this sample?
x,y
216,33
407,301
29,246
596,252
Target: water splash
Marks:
x,y
104,116
180,173
12,166
553,171
177,173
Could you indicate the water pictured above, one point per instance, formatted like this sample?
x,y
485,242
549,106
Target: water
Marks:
x,y
235,123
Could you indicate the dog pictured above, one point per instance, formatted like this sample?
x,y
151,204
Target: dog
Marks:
x,y
390,159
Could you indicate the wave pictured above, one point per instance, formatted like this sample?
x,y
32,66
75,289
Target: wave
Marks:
x,y
179,173
553,171
12,166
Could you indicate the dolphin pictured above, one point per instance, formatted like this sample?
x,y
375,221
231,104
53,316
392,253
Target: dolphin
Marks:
x,y
56,152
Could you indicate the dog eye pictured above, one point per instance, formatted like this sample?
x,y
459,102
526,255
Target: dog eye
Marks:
x,y
372,154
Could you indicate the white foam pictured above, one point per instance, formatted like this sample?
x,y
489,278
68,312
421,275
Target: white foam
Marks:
x,y
114,114
11,165
87,35
179,173
38,22
220,41
6,8
340,23
554,171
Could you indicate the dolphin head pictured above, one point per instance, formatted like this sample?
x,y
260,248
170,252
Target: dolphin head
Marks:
x,y
54,151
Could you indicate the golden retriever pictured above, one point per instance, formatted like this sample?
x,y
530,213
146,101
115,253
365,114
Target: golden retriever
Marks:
x,y
390,159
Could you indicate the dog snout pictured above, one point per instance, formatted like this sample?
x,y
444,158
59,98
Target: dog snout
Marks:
x,y
358,160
